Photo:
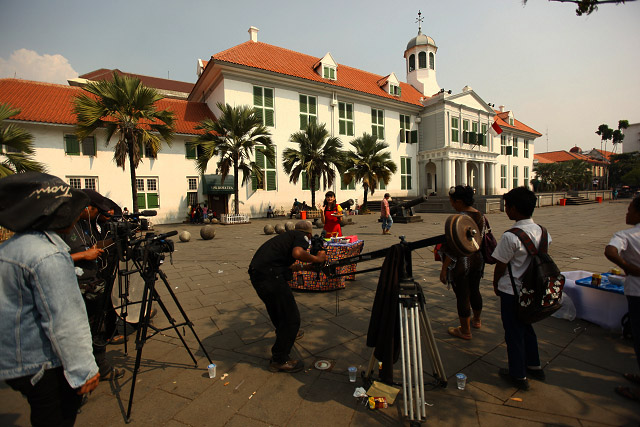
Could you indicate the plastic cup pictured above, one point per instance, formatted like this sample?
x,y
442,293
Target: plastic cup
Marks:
x,y
353,371
461,379
212,370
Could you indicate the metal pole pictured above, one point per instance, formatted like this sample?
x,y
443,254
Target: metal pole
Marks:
x,y
422,410
414,360
409,377
403,354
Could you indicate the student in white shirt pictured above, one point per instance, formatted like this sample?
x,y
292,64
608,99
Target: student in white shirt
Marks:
x,y
521,340
624,251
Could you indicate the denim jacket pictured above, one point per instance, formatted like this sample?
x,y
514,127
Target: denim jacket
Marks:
x,y
43,320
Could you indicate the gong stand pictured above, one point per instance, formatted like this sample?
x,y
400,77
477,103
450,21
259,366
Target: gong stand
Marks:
x,y
462,236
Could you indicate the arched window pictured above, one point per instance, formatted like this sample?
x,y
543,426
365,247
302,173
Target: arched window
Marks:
x,y
432,61
422,60
412,62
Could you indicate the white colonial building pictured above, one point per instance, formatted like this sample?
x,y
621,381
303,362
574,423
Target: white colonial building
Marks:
x,y
437,139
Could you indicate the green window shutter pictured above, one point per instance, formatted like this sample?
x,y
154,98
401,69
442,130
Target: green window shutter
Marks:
x,y
508,150
254,182
268,98
268,117
89,146
403,165
153,201
260,158
303,104
259,113
305,183
141,201
374,116
403,182
270,164
271,180
257,96
72,146
350,111
312,105
383,186
408,167
402,135
303,121
414,136
312,119
374,131
342,127
343,186
342,110
350,128
191,151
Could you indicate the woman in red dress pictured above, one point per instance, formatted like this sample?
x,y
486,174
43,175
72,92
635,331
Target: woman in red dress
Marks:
x,y
331,215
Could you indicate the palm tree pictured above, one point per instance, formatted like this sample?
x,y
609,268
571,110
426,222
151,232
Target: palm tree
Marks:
x,y
125,107
368,164
234,137
317,156
617,136
18,152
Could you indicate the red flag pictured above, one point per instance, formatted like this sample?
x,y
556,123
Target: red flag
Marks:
x,y
496,128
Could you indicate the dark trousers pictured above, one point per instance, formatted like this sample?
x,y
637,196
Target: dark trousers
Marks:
x,y
53,402
634,318
467,290
283,312
521,340
94,304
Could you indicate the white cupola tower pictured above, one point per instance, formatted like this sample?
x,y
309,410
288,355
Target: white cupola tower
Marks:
x,y
420,57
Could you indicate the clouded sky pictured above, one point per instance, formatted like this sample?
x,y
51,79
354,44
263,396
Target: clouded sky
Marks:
x,y
559,73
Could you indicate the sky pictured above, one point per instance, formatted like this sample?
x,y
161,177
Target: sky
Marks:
x,y
560,74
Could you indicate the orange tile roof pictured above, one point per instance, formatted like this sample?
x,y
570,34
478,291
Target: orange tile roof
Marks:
x,y
52,103
562,156
287,62
541,159
606,154
503,121
155,82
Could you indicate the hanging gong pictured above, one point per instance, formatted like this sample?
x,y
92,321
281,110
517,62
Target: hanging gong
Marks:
x,y
462,234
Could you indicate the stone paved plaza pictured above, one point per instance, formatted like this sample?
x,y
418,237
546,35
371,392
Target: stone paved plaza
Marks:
x,y
584,362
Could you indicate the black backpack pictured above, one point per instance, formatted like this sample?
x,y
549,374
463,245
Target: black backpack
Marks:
x,y
542,282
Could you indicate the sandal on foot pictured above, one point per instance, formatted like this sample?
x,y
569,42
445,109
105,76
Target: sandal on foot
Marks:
x,y
629,393
476,323
457,332
634,378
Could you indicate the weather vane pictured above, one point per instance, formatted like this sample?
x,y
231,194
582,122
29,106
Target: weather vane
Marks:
x,y
419,21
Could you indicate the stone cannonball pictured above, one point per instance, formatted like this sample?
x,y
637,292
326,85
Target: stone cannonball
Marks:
x,y
207,232
318,223
214,220
280,228
184,236
289,225
268,229
206,220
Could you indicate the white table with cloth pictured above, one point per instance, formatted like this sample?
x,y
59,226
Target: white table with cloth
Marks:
x,y
603,305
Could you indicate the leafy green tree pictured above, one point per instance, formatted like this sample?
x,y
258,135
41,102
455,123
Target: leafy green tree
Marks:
x,y
587,7
632,178
577,174
234,137
621,165
368,164
17,154
605,133
318,156
126,107
617,136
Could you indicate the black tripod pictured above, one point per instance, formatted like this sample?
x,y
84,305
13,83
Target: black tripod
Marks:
x,y
148,257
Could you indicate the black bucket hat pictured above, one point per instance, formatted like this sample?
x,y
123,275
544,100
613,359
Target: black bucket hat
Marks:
x,y
97,200
38,201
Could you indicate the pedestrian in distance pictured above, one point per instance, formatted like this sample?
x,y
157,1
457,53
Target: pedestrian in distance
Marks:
x,y
45,340
624,250
463,273
521,339
385,214
270,269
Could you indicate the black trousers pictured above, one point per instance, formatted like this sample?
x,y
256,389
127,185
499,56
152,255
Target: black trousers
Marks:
x,y
283,311
634,317
521,339
95,312
53,402
467,290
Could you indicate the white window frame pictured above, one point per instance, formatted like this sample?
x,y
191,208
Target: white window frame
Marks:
x,y
503,145
150,186
526,149
265,170
405,173
455,129
84,182
329,72
81,145
192,183
526,176
262,110
503,176
515,176
377,123
343,119
308,116
515,146
405,128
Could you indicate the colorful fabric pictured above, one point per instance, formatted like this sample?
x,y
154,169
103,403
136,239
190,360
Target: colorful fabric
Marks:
x,y
313,281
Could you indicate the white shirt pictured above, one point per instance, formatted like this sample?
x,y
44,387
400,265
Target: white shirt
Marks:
x,y
511,250
628,244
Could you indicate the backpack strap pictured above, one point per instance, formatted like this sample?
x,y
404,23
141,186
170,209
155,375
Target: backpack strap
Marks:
x,y
528,243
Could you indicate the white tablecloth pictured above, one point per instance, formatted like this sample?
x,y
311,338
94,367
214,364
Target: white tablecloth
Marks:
x,y
595,305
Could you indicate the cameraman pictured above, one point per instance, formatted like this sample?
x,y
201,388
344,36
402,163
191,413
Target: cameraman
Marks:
x,y
45,342
84,241
271,268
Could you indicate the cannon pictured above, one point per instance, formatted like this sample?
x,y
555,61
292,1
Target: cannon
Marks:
x,y
347,205
403,212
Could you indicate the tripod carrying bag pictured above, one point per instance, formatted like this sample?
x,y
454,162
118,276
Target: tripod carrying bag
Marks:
x,y
542,282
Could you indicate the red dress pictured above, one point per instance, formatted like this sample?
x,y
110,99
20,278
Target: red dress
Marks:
x,y
332,223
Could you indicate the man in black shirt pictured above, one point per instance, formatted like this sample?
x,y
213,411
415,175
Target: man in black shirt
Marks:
x,y
270,269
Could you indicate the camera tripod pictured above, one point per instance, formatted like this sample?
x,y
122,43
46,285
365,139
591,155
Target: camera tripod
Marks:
x,y
147,259
461,233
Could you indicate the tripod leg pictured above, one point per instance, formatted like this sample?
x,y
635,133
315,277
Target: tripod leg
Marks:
x,y
372,361
417,366
141,336
436,361
184,316
407,340
422,411
403,351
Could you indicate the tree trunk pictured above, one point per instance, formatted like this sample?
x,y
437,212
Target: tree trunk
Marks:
x,y
132,168
236,190
364,202
313,190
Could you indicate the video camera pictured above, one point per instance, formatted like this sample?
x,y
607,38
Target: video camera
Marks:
x,y
124,228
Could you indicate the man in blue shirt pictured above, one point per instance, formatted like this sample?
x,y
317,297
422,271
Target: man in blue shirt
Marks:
x,y
45,341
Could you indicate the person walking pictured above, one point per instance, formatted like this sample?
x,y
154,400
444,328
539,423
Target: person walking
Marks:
x,y
463,273
385,214
624,251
